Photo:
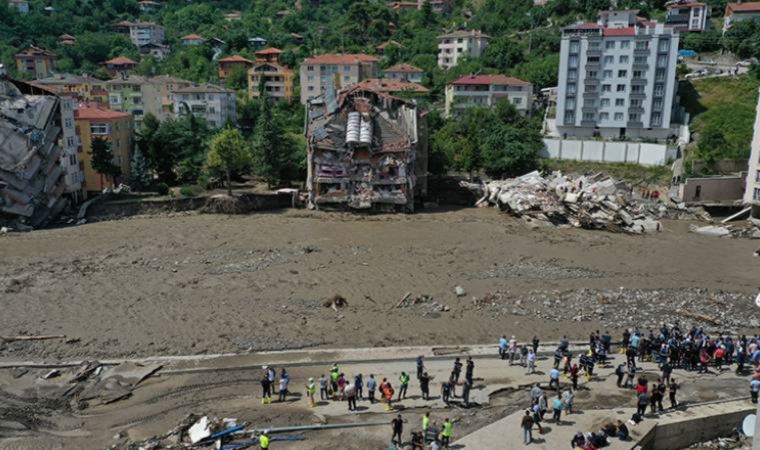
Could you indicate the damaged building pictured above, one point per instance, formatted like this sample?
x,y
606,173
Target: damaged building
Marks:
x,y
367,150
39,171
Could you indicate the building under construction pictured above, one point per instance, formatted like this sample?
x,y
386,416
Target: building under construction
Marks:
x,y
367,150
39,171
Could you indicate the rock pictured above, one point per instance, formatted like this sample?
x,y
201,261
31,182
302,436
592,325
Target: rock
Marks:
x,y
459,291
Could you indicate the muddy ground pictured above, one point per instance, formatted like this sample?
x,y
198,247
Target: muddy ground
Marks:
x,y
202,284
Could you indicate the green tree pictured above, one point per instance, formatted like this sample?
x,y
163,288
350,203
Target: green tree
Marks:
x,y
268,144
139,174
237,79
102,159
227,153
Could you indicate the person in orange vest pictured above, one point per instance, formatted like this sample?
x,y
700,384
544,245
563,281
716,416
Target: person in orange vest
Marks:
x,y
388,394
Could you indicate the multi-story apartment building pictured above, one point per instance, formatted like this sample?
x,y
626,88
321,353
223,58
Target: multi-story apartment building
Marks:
x,y
486,91
232,63
158,95
113,126
335,70
404,72
36,62
452,46
686,15
80,85
740,11
139,96
126,95
617,77
142,33
278,79
215,104
119,66
752,186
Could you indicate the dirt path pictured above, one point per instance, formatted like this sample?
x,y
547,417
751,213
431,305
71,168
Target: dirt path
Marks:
x,y
211,284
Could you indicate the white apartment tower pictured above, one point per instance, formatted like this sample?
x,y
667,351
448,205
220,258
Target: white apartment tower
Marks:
x,y
617,77
752,193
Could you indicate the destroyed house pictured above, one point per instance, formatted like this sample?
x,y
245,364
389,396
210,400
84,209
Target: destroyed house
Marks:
x,y
366,150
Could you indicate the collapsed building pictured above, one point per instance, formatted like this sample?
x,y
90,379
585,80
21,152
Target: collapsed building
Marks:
x,y
38,160
367,150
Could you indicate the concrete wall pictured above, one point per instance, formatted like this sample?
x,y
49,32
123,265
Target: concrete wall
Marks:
x,y
712,190
610,152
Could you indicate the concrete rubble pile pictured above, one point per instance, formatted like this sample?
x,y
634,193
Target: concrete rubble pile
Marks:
x,y
595,202
31,180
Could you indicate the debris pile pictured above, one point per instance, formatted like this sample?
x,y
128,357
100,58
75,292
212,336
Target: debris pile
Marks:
x,y
594,202
748,231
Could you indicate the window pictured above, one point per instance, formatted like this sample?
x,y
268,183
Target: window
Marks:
x,y
70,141
575,46
637,89
656,119
633,117
609,59
68,123
591,88
642,45
625,44
570,118
605,102
636,74
593,60
658,103
662,60
621,88
592,74
607,74
757,177
664,45
591,103
618,116
99,128
114,100
310,78
619,102
572,74
347,68
659,89
659,75
588,116
517,101
622,73
604,116
623,59
609,44
635,103
593,45
756,194
640,60
606,88
573,61
570,103
310,88
571,88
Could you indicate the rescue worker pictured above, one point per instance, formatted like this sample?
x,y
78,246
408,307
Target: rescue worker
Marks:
x,y
446,433
388,394
425,422
311,389
404,379
264,440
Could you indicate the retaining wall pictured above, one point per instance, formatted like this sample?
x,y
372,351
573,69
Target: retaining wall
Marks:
x,y
641,153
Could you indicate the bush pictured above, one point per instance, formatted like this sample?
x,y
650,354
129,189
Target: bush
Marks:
x,y
190,191
162,189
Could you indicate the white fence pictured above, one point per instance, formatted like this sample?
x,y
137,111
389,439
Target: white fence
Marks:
x,y
611,152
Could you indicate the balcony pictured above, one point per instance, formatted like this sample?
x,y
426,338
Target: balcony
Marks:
x,y
588,123
638,95
635,110
594,52
593,65
591,81
641,52
635,124
589,109
639,81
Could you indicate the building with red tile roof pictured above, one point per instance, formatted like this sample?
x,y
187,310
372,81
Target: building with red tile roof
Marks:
x,y
37,62
404,71
113,126
688,16
486,91
740,11
392,86
231,63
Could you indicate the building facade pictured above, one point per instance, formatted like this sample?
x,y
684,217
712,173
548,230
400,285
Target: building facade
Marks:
x,y
232,63
193,39
617,78
739,11
337,71
685,15
486,91
36,62
119,66
278,79
126,95
142,33
404,72
158,51
752,186
113,126
459,44
215,104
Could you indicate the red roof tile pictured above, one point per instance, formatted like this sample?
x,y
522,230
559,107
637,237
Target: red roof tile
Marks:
x,y
489,79
404,68
193,37
236,59
89,113
388,85
121,60
743,7
627,31
339,58
269,51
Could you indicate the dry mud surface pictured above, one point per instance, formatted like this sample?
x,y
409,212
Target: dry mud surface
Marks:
x,y
202,284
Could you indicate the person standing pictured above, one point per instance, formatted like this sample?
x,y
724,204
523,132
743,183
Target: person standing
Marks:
x,y
527,426
568,397
620,372
425,386
404,385
334,375
446,392
574,376
456,371
323,387
503,345
446,432
630,376
512,350
654,397
466,393
264,440
388,395
359,385
311,389
661,389
667,371
554,379
531,362
350,393
397,424
371,386
420,366
284,380
754,388
425,423
535,343
643,402
266,388
673,390
469,370
557,407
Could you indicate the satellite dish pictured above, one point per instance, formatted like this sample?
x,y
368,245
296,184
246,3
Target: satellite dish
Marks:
x,y
748,425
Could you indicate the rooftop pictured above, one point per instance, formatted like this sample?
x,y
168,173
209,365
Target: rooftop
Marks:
x,y
404,68
193,37
743,7
120,61
340,58
627,31
235,59
90,113
67,78
36,51
390,43
203,88
489,80
464,33
684,5
387,85
269,51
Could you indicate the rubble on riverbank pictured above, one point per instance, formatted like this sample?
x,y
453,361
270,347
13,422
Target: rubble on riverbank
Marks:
x,y
595,202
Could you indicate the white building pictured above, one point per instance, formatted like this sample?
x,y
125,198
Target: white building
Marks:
x,y
752,193
406,72
737,12
70,143
487,90
686,15
617,78
143,33
215,104
459,44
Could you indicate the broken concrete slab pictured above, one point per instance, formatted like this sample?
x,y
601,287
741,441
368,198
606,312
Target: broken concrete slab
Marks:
x,y
710,230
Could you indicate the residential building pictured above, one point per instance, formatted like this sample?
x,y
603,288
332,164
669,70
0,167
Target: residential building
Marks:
x,y
739,11
193,39
617,78
36,62
139,96
158,51
335,70
84,87
21,6
125,94
67,40
366,150
687,15
149,6
119,66
296,38
113,126
278,79
142,33
458,44
380,49
486,91
438,6
395,87
752,186
404,72
215,104
232,63
257,42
